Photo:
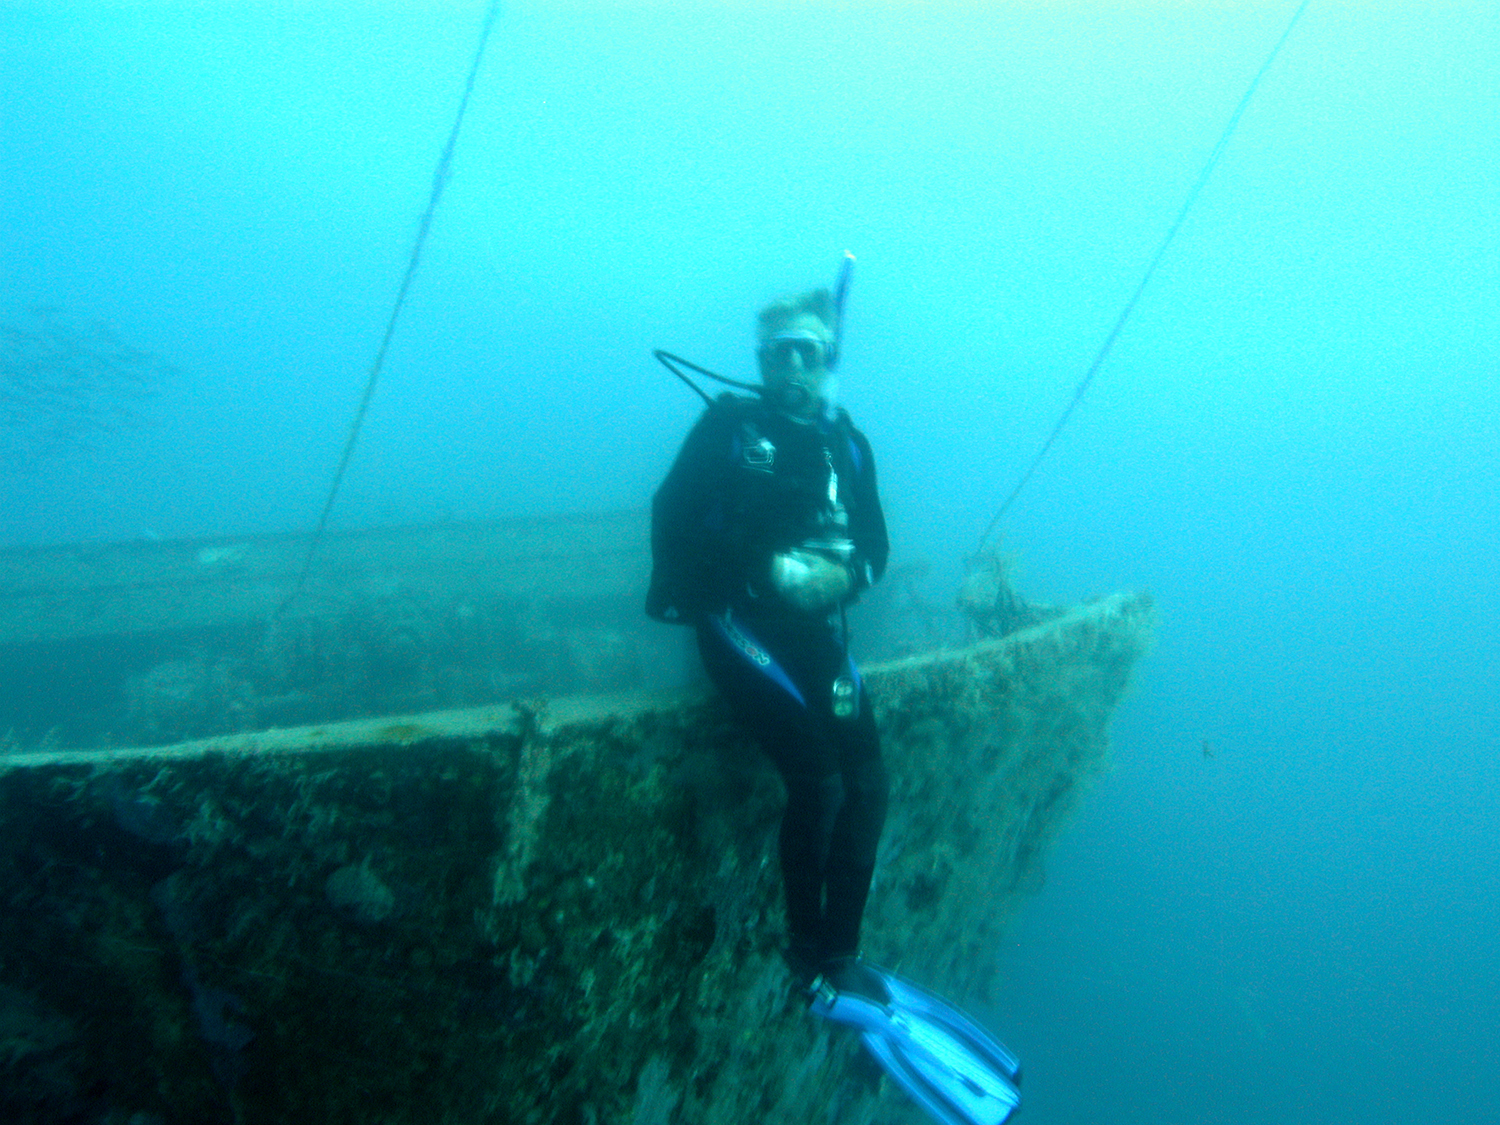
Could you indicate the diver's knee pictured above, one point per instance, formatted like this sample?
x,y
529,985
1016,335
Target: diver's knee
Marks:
x,y
831,795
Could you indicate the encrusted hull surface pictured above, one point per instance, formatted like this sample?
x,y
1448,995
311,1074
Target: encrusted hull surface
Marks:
x,y
545,912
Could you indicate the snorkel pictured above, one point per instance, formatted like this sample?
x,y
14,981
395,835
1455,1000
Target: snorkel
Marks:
x,y
840,291
835,350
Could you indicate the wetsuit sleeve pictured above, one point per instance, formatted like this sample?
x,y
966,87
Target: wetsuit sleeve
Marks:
x,y
866,520
687,524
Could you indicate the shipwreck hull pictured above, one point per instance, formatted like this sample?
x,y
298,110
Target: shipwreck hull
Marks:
x,y
563,911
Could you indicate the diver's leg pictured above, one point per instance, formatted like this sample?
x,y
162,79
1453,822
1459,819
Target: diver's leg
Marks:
x,y
856,832
795,738
806,829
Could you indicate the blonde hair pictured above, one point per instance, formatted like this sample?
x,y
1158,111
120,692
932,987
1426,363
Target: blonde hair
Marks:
x,y
780,313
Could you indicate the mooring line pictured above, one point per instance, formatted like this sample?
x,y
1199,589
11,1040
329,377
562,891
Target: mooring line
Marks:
x,y
439,178
1161,251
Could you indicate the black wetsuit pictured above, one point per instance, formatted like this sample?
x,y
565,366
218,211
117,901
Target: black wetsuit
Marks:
x,y
750,483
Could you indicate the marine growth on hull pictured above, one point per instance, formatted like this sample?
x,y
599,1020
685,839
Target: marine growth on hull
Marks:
x,y
540,909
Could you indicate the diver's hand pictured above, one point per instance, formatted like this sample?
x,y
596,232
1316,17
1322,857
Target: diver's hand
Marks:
x,y
809,581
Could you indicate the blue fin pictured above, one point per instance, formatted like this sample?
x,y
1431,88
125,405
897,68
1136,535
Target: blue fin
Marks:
x,y
949,1065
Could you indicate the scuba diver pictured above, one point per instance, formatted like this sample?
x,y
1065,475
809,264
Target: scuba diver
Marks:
x,y
766,527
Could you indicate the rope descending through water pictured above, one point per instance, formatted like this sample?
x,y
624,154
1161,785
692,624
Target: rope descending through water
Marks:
x,y
1161,251
439,178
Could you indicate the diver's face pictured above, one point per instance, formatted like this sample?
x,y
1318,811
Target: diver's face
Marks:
x,y
794,365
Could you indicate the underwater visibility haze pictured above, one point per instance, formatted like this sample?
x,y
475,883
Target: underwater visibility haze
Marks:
x,y
1280,904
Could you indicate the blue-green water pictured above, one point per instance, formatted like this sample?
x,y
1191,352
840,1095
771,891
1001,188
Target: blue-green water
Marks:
x,y
1281,904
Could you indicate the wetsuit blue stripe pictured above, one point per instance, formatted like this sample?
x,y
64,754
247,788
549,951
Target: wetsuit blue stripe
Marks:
x,y
755,652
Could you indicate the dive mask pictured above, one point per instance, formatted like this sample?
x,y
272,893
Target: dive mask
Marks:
x,y
809,347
